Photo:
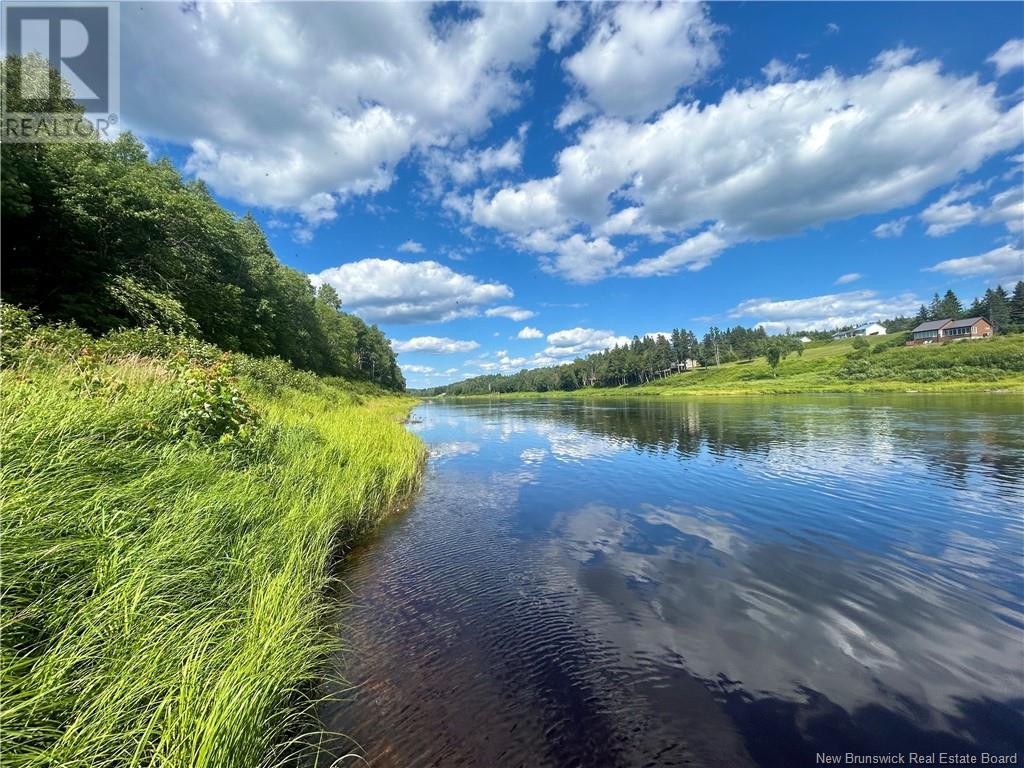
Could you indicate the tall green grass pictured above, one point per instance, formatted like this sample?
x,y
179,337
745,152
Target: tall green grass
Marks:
x,y
165,593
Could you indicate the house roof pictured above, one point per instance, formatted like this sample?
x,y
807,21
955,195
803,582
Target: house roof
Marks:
x,y
967,322
932,325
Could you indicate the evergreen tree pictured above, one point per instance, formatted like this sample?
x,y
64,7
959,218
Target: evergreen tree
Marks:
x,y
950,306
978,308
899,324
679,344
662,353
691,343
1017,304
713,344
998,308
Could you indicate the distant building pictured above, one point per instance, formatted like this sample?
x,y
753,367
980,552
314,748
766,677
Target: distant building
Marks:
x,y
805,339
864,329
968,328
928,332
940,331
685,365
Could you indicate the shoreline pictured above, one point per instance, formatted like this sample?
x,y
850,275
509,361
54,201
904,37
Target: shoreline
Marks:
x,y
989,365
1009,387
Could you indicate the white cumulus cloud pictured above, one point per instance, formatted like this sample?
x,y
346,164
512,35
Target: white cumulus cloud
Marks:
x,y
1004,265
693,255
1009,56
573,342
765,161
894,228
526,332
824,312
512,313
581,260
411,246
778,70
434,344
950,212
953,210
566,22
1007,207
470,165
421,369
387,290
572,113
895,58
302,130
641,54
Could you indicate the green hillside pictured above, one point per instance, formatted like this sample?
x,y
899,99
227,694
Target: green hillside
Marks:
x,y
886,365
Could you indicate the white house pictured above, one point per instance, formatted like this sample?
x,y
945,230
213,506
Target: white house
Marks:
x,y
864,329
805,339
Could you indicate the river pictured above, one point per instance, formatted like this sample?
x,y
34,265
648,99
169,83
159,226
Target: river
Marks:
x,y
721,582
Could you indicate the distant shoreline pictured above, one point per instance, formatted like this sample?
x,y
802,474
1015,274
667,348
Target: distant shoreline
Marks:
x,y
1015,387
837,367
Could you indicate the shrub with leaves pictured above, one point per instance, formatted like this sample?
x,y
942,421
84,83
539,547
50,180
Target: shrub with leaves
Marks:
x,y
156,343
23,342
15,328
150,308
212,405
270,375
91,378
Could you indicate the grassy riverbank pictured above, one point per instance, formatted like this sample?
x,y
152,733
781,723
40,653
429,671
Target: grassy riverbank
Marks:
x,y
837,366
170,516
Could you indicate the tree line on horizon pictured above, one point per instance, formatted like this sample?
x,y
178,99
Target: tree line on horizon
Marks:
x,y
650,357
639,361
97,234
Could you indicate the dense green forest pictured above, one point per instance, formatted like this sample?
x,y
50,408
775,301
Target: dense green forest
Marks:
x,y
97,234
645,359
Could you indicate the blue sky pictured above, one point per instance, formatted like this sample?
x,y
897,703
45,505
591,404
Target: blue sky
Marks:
x,y
590,172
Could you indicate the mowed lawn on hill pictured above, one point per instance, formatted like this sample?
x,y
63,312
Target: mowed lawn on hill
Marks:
x,y
886,365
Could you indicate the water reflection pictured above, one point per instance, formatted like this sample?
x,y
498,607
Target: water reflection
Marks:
x,y
709,583
785,621
960,435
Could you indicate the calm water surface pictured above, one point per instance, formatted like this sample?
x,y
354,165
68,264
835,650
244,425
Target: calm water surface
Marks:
x,y
711,583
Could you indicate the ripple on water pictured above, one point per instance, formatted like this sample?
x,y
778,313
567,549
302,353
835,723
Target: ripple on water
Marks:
x,y
719,584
